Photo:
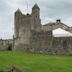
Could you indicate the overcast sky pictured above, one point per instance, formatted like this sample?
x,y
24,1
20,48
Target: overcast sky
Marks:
x,y
50,11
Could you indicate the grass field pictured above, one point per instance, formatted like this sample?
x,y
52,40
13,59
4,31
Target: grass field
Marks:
x,y
30,62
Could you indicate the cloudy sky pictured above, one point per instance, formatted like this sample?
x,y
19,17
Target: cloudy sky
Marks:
x,y
50,11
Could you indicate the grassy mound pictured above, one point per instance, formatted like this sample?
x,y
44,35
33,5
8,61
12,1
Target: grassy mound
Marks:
x,y
30,62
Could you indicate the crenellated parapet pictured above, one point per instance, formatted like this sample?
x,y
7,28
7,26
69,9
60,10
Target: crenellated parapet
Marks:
x,y
28,21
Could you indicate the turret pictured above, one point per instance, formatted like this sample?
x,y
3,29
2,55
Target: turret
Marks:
x,y
18,12
36,18
36,10
17,18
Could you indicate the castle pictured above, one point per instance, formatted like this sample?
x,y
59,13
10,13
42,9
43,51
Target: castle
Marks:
x,y
30,35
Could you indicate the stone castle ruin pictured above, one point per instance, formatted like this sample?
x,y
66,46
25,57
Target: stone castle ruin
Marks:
x,y
30,36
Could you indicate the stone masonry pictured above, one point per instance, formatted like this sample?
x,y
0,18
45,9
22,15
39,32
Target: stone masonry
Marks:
x,y
29,35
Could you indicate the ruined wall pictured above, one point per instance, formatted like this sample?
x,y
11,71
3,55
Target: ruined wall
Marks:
x,y
40,41
23,26
17,23
29,35
62,45
44,42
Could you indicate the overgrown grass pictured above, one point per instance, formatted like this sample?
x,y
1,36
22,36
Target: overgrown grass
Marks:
x,y
30,62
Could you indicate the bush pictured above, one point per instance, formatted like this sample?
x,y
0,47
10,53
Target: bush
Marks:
x,y
10,47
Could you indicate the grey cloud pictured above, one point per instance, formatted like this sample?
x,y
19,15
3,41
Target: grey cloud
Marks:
x,y
58,8
50,9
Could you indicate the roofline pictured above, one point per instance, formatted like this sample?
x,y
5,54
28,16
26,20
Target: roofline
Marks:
x,y
53,23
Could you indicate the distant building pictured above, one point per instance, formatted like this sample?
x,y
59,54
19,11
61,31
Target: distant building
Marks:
x,y
69,29
6,41
54,25
1,42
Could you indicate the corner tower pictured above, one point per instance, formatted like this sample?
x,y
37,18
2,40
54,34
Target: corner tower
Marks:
x,y
17,18
36,21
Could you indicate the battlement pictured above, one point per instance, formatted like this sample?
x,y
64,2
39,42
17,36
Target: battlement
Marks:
x,y
27,21
18,13
35,12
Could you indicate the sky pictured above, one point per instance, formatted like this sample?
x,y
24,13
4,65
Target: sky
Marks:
x,y
50,10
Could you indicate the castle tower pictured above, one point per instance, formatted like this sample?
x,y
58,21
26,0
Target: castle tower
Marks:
x,y
24,24
17,20
36,21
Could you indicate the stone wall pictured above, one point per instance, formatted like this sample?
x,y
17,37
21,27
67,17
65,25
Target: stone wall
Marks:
x,y
62,45
30,35
44,42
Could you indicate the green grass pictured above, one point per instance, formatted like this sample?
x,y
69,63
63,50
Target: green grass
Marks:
x,y
30,62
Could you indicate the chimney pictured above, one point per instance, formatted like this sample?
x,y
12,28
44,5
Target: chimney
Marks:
x,y
58,21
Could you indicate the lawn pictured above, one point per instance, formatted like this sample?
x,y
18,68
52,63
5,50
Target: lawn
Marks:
x,y
30,62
